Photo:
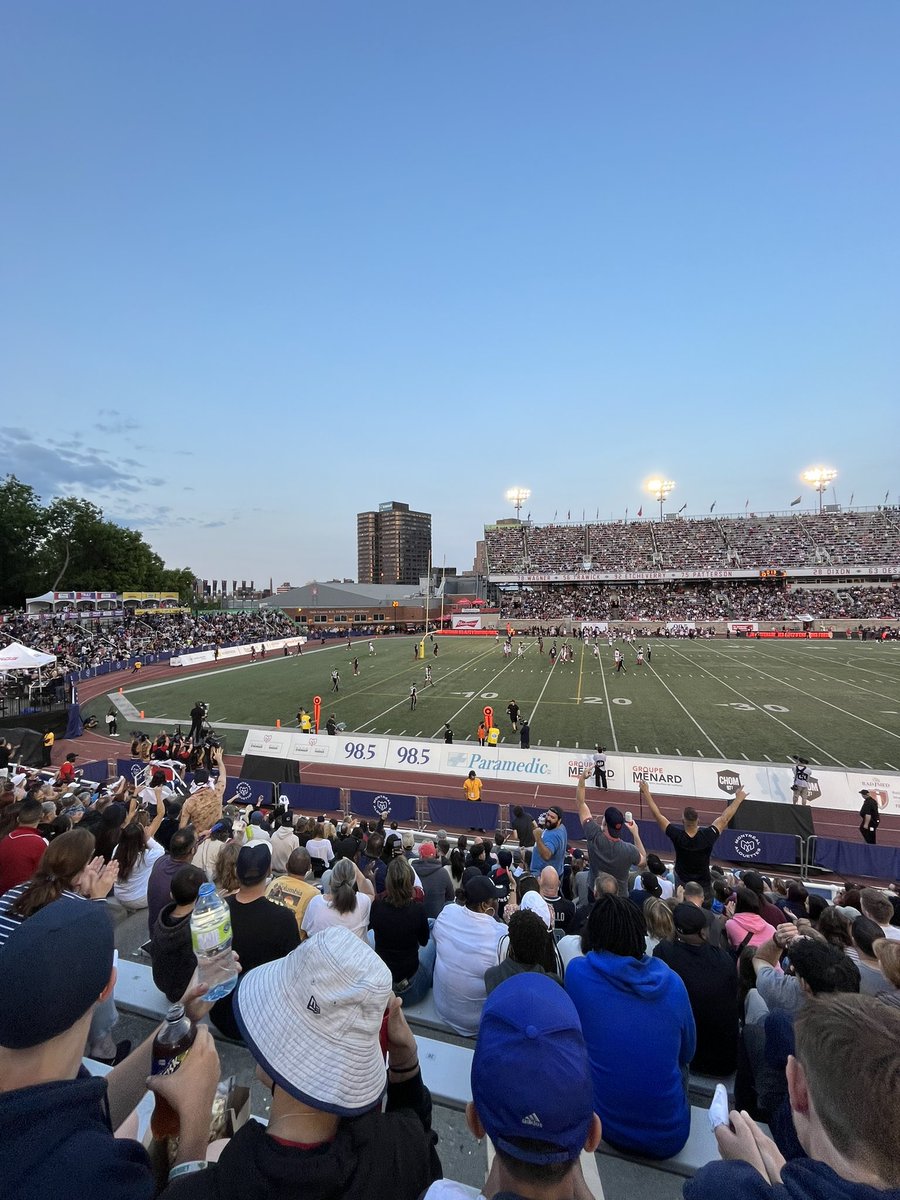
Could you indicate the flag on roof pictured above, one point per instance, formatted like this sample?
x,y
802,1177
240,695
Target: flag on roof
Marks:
x,y
796,502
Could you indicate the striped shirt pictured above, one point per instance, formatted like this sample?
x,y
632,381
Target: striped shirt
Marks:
x,y
9,922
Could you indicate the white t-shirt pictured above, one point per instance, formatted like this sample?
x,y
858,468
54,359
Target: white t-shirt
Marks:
x,y
466,945
668,889
134,888
320,848
321,915
892,932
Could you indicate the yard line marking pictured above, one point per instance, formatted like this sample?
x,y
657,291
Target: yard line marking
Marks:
x,y
778,720
636,750
744,756
891,765
834,679
656,748
811,696
580,673
612,727
677,751
700,754
856,667
688,714
865,764
766,757
557,741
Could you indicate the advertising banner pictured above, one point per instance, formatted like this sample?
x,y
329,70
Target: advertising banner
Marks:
x,y
671,776
384,806
720,781
248,791
468,621
742,626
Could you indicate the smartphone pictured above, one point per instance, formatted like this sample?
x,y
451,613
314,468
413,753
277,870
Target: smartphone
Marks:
x,y
718,1110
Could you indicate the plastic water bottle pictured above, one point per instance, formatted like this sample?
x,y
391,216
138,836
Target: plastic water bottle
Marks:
x,y
211,938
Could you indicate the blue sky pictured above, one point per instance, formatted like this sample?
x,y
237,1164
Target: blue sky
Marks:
x,y
264,266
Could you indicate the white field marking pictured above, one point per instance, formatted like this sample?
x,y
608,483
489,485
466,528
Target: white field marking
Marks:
x,y
371,721
557,741
688,713
889,712
834,679
636,750
656,748
855,666
477,696
811,696
677,751
891,765
744,756
869,765
612,728
700,754
766,757
771,716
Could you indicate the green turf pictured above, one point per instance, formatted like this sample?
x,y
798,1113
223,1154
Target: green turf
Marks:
x,y
836,701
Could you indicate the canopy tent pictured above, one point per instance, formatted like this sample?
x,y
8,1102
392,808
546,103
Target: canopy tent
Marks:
x,y
16,657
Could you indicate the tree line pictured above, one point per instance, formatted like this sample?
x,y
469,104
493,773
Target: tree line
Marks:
x,y
68,544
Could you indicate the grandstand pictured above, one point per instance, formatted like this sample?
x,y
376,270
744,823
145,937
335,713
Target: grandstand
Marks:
x,y
770,567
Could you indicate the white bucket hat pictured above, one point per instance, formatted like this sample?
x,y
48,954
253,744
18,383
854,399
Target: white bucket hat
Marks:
x,y
535,902
330,995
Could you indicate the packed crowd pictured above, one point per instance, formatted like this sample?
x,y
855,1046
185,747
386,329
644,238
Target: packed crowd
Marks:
x,y
553,959
662,602
94,643
752,542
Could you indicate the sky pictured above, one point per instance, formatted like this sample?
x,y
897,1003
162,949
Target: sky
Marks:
x,y
267,265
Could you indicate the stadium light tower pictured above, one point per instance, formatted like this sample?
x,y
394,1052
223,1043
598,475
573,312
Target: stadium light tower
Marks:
x,y
516,496
660,490
820,480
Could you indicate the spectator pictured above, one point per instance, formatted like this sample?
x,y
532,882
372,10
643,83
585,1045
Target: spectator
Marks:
x,y
865,934
834,927
767,910
549,842
693,842
709,976
745,927
841,1083
321,849
658,868
284,842
660,926
875,906
204,805
795,903
563,910
260,930
57,1122
651,888
349,902
400,927
817,968
209,849
23,847
532,950
606,850
887,951
225,875
435,878
294,889
326,1134
521,827
530,1023
693,893
136,852
620,993
466,940
159,885
171,950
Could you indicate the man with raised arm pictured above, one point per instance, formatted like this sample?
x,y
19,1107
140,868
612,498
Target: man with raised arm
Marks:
x,y
606,850
204,805
693,842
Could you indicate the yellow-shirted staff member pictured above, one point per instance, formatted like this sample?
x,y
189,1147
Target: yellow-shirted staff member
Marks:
x,y
472,786
305,721
47,747
493,735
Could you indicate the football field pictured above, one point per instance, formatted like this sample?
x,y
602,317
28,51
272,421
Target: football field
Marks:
x,y
836,703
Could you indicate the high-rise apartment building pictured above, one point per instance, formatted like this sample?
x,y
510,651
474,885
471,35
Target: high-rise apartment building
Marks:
x,y
393,544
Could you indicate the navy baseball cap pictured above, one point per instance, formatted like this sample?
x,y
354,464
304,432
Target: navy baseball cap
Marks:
x,y
53,968
545,1118
614,818
253,863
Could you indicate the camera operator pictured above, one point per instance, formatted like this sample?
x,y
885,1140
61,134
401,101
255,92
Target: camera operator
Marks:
x,y
198,716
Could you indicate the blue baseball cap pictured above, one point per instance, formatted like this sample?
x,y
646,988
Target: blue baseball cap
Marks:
x,y
53,968
530,1024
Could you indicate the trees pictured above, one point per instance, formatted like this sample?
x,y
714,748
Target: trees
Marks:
x,y
68,544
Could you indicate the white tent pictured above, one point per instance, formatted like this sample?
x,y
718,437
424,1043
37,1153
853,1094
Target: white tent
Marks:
x,y
16,657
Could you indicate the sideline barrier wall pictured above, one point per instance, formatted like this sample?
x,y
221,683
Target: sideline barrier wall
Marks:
x,y
248,791
310,797
387,805
96,772
691,778
460,812
851,859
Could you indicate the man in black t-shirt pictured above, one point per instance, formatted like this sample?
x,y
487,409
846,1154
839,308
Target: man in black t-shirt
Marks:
x,y
693,842
712,986
521,824
869,817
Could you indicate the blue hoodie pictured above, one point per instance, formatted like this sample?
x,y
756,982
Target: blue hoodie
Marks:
x,y
639,1031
